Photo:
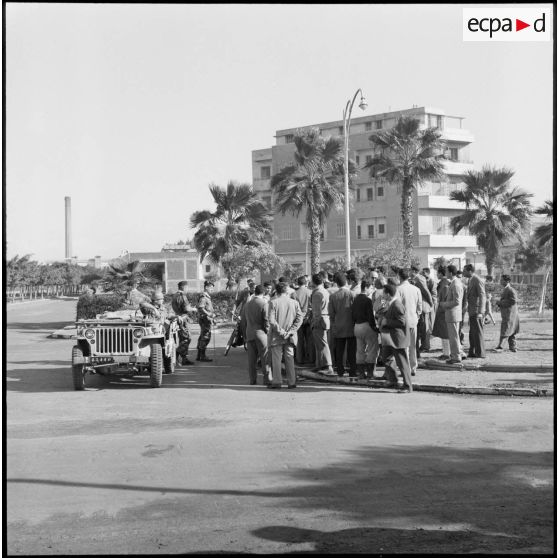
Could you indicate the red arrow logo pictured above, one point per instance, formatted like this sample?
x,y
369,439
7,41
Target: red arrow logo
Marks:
x,y
519,25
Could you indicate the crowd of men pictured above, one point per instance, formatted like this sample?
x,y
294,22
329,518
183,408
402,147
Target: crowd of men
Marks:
x,y
351,322
345,324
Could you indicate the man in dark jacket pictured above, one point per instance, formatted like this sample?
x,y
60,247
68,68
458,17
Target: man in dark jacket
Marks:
x,y
395,340
257,326
181,306
304,353
423,325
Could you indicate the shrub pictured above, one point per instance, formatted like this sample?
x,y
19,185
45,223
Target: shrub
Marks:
x,y
89,306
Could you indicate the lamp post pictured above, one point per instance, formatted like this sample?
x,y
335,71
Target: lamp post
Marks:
x,y
346,130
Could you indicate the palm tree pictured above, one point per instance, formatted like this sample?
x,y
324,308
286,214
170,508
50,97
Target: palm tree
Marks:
x,y
544,233
121,275
314,183
494,212
240,219
408,156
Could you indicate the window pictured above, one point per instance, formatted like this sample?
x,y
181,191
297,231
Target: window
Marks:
x,y
368,159
289,138
359,232
358,194
381,229
369,194
340,228
370,231
207,268
378,124
265,172
357,159
453,154
266,200
380,191
367,126
287,233
340,130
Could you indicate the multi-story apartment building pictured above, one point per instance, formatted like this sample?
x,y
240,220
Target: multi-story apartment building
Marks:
x,y
375,204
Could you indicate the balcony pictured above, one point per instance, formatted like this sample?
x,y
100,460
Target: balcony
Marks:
x,y
457,167
447,241
458,135
438,202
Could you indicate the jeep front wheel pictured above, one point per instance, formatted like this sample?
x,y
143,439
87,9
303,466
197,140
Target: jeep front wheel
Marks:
x,y
156,365
78,370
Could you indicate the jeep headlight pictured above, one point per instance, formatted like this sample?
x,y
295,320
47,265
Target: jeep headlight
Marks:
x,y
138,332
89,334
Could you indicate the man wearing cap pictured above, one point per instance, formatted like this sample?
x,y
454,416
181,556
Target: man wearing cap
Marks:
x,y
181,306
206,315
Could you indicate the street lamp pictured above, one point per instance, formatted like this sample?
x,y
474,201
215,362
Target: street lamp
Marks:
x,y
346,130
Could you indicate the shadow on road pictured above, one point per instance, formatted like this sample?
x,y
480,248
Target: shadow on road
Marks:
x,y
403,499
33,326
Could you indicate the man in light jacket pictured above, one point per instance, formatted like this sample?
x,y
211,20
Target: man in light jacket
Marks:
x,y
285,317
320,325
453,307
411,298
476,306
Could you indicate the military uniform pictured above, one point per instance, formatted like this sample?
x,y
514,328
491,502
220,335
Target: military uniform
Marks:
x,y
181,307
205,319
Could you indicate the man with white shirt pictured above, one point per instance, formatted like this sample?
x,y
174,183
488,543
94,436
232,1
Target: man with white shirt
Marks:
x,y
411,298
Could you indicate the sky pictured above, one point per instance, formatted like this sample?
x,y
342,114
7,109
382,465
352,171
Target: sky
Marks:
x,y
134,110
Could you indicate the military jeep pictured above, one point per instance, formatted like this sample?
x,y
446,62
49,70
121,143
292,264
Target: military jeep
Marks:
x,y
124,346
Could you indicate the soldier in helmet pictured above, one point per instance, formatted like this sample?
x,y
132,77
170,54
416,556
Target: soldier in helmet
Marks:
x,y
155,308
206,315
181,306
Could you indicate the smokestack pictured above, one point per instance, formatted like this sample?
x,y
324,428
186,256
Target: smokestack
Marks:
x,y
68,207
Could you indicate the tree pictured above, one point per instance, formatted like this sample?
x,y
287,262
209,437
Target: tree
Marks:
x,y
494,211
545,233
390,253
120,275
530,257
239,219
407,156
245,261
314,183
440,261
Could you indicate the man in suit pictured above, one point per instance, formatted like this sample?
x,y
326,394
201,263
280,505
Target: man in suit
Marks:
x,y
453,307
342,326
395,340
285,317
476,306
423,325
304,353
424,342
257,326
411,298
320,325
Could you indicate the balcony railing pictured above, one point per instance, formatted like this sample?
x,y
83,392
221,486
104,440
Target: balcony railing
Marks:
x,y
439,188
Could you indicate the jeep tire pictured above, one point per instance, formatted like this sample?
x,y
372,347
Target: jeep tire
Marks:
x,y
156,365
78,370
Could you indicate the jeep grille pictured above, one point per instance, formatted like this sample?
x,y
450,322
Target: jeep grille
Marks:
x,y
113,340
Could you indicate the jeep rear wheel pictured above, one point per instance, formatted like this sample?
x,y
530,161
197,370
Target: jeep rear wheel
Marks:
x,y
156,365
78,370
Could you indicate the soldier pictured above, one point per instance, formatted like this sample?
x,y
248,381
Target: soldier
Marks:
x,y
155,308
206,316
181,306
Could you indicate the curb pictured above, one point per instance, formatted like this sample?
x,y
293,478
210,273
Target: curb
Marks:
x,y
440,365
510,392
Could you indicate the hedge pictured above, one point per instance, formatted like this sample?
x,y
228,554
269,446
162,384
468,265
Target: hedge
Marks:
x,y
89,306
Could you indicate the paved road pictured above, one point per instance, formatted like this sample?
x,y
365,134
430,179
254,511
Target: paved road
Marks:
x,y
208,464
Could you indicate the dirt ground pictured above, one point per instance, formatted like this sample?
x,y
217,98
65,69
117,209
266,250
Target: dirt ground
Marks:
x,y
208,464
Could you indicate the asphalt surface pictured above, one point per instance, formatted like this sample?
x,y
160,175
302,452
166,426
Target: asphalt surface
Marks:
x,y
207,463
